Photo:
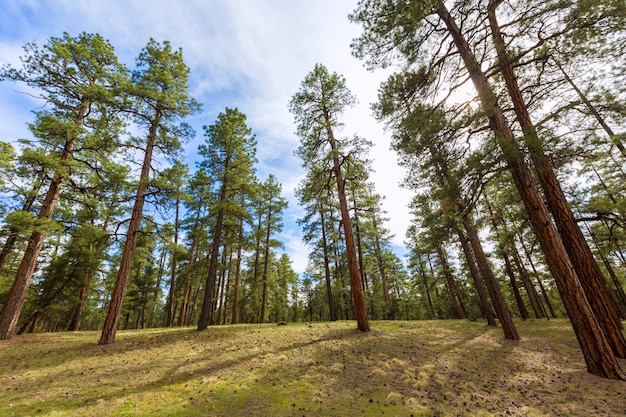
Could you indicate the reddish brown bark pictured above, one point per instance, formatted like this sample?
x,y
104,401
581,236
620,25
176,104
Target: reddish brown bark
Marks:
x,y
586,267
485,307
356,284
12,308
431,309
521,307
510,332
114,312
209,292
497,299
596,350
9,244
329,287
533,297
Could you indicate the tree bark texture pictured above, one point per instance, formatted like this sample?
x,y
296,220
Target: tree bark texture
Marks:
x,y
114,312
541,286
521,307
329,287
209,288
596,350
12,308
497,299
9,244
533,297
389,310
586,267
431,309
485,306
358,296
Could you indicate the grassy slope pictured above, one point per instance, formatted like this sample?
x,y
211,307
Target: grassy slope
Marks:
x,y
425,368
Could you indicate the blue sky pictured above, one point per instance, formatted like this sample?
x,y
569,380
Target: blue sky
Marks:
x,y
249,54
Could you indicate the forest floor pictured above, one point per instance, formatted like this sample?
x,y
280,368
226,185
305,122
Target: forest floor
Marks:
x,y
421,368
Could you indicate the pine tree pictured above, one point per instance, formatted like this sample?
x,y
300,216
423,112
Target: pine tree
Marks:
x,y
79,78
229,154
316,200
161,101
271,206
316,108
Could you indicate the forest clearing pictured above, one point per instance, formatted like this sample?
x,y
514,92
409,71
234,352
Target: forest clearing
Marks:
x,y
399,368
161,213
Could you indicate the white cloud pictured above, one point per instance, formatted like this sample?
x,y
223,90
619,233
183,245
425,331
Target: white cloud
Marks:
x,y
250,54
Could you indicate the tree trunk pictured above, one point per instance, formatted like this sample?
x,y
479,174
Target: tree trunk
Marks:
x,y
543,290
329,287
184,305
452,290
128,252
255,266
586,267
77,318
221,296
157,288
14,232
521,307
431,310
226,290
207,302
356,284
209,288
35,321
170,296
192,306
533,297
596,350
12,308
619,291
509,268
592,109
610,270
359,249
485,307
508,327
477,253
266,262
235,317
389,313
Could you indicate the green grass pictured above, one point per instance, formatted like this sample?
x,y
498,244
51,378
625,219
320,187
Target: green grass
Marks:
x,y
425,368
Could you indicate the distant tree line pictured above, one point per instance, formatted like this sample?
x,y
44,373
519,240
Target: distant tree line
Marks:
x,y
80,249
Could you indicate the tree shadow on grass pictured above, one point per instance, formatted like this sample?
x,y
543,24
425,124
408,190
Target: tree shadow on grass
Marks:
x,y
442,367
336,364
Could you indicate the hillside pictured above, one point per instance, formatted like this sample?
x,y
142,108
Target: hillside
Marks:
x,y
425,368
